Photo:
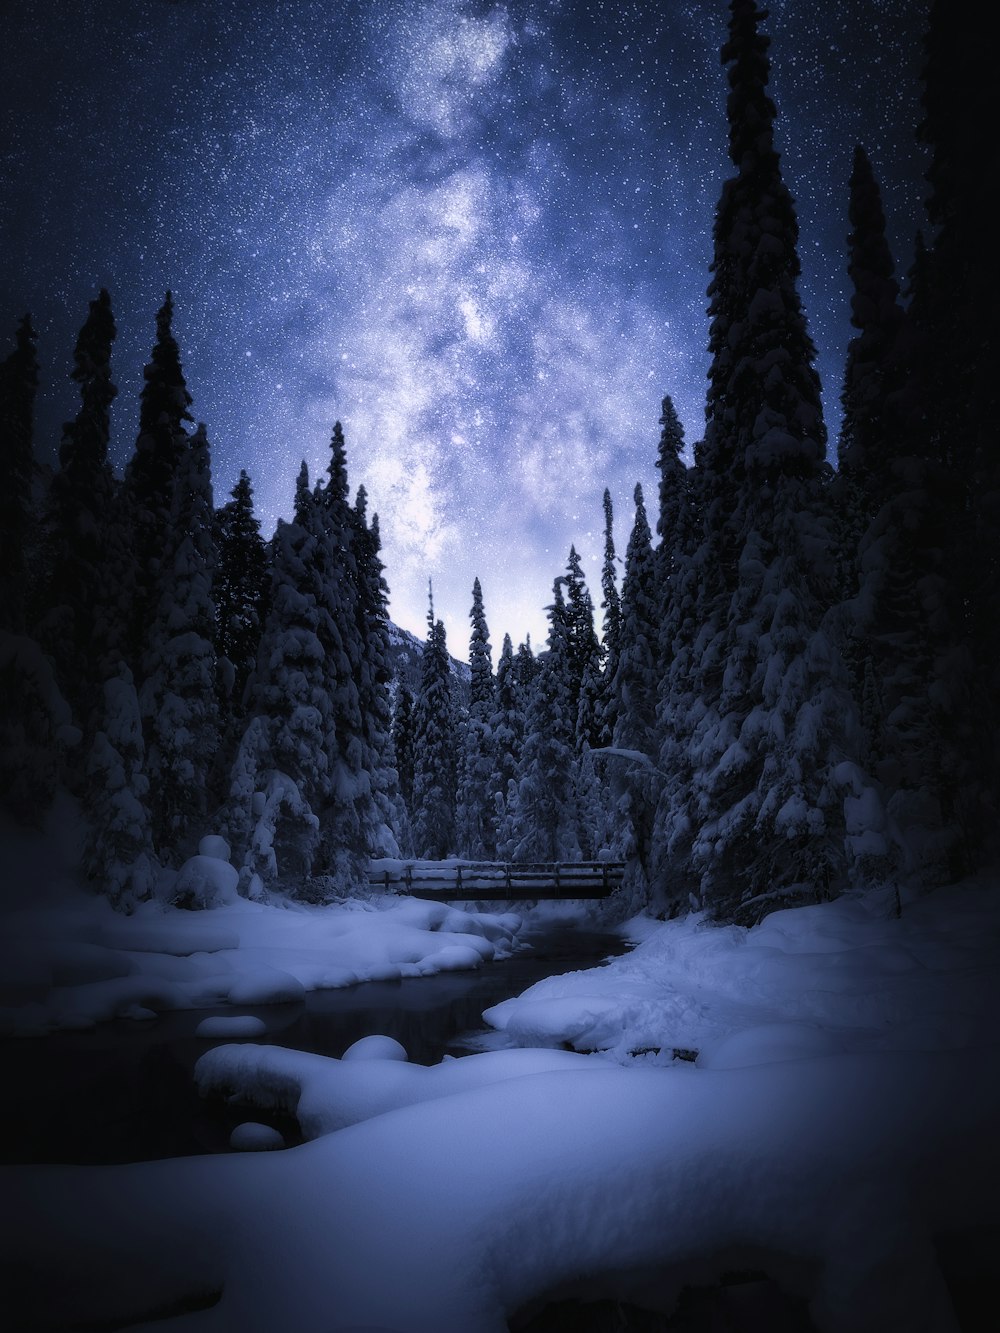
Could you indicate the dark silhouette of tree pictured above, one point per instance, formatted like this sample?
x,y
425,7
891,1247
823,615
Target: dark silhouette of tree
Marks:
x,y
434,766
241,588
18,386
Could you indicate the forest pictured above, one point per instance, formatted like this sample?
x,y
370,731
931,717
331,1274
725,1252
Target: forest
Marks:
x,y
793,692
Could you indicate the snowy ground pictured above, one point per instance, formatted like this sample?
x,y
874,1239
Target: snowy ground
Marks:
x,y
837,1125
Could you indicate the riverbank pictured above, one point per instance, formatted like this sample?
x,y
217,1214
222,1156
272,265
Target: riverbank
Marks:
x,y
74,963
124,1090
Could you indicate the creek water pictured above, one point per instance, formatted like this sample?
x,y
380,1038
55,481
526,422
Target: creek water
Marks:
x,y
124,1092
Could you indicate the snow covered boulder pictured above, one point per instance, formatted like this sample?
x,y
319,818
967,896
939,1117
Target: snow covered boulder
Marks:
x,y
376,1048
205,881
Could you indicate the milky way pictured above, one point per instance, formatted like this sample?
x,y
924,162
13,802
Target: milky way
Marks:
x,y
477,234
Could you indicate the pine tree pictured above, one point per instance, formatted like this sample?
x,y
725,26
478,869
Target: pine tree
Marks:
x,y
383,817
81,613
178,697
584,655
285,747
241,588
118,856
611,628
507,730
434,774
18,387
475,811
152,473
774,744
635,691
867,446
402,742
542,811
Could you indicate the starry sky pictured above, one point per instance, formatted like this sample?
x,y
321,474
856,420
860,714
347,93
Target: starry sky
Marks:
x,y
476,233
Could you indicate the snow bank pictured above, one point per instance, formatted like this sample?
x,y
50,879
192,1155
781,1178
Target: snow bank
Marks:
x,y
839,1122
454,1212
82,964
840,976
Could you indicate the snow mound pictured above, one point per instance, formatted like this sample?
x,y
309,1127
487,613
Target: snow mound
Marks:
x,y
768,1043
376,1047
252,1137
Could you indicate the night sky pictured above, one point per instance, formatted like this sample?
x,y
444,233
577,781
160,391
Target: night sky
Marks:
x,y
479,234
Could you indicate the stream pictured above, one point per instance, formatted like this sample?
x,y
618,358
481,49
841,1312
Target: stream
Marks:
x,y
124,1092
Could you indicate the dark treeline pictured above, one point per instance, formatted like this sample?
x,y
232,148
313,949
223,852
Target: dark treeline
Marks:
x,y
795,689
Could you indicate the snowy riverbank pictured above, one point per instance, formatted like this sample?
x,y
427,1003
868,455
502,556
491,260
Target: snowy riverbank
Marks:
x,y
78,962
837,1131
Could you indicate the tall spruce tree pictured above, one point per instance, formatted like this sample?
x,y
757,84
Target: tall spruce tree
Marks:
x,y
18,387
612,625
241,587
507,730
283,761
868,442
402,742
434,767
178,696
475,810
152,473
541,818
774,745
584,655
81,611
635,689
384,817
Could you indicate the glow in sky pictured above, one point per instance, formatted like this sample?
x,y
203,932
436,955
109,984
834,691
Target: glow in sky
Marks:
x,y
478,234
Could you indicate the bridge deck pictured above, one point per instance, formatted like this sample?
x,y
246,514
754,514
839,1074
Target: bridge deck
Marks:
x,y
499,879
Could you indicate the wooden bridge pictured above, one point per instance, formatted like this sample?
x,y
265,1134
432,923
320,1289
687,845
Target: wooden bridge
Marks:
x,y
499,879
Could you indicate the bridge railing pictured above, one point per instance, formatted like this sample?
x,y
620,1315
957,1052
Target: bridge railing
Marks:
x,y
499,879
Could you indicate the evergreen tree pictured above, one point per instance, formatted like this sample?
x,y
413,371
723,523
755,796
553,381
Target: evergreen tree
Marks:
x,y
178,696
434,773
402,742
118,856
867,447
584,655
285,750
383,817
153,470
241,588
475,811
507,731
81,615
635,690
541,810
35,730
773,746
611,627
18,386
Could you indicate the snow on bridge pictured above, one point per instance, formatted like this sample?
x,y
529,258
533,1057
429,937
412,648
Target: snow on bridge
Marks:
x,y
498,879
